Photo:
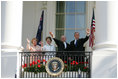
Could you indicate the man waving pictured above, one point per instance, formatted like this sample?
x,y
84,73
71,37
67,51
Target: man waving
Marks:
x,y
62,46
77,45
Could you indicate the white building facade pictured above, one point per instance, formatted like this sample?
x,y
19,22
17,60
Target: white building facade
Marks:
x,y
20,21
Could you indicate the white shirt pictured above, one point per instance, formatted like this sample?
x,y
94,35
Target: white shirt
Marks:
x,y
65,45
48,47
49,55
75,41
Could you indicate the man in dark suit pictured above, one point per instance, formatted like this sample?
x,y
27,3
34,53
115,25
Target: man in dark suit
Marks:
x,y
61,44
77,44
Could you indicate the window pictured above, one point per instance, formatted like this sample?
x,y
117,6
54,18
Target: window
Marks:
x,y
70,18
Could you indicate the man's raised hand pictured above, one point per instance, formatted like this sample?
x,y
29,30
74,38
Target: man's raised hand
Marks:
x,y
87,31
51,34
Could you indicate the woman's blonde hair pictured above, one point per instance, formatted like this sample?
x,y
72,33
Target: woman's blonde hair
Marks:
x,y
34,39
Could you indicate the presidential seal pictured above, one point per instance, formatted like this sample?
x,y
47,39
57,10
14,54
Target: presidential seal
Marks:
x,y
54,66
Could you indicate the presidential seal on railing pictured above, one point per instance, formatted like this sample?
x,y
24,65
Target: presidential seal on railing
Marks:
x,y
54,66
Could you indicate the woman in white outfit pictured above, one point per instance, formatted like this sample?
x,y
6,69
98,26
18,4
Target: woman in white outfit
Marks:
x,y
49,47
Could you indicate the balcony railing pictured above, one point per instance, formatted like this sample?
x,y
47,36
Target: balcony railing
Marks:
x,y
77,64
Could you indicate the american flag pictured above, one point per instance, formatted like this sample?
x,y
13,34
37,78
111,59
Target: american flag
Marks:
x,y
92,31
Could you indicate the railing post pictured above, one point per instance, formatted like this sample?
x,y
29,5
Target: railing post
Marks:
x,y
17,67
91,64
17,75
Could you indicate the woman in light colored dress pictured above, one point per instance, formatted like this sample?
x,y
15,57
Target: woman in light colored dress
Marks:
x,y
49,47
34,48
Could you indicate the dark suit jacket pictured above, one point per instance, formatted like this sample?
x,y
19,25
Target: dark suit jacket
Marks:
x,y
61,46
80,43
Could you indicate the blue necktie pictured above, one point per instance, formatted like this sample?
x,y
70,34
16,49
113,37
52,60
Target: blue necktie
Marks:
x,y
76,44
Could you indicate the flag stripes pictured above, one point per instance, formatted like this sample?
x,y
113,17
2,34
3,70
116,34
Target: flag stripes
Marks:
x,y
92,36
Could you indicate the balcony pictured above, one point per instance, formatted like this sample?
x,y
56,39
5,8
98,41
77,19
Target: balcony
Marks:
x,y
77,64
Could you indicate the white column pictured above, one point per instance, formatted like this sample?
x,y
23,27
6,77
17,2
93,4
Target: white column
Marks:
x,y
11,36
104,59
11,24
106,24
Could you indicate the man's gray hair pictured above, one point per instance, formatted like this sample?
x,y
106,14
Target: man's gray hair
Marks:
x,y
76,32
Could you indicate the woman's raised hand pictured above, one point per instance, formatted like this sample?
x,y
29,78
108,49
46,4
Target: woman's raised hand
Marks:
x,y
28,41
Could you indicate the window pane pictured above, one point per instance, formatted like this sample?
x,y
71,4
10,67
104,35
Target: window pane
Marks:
x,y
80,6
69,35
60,20
82,33
70,6
60,6
80,21
70,21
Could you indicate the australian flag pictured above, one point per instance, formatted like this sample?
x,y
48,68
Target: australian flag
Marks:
x,y
40,28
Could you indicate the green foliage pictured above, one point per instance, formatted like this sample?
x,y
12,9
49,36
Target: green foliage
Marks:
x,y
35,68
75,68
